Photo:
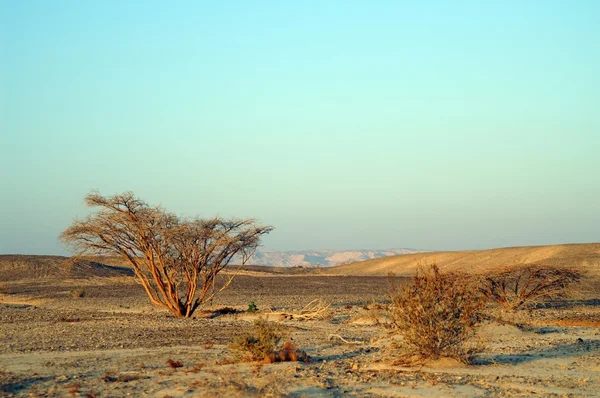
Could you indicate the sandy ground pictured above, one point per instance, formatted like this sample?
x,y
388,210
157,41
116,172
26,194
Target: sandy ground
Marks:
x,y
114,343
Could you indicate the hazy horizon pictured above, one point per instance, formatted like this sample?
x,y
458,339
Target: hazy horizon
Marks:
x,y
428,125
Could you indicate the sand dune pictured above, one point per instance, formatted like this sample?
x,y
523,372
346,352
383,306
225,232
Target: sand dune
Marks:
x,y
583,256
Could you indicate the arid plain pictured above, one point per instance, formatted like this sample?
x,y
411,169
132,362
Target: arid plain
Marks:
x,y
113,342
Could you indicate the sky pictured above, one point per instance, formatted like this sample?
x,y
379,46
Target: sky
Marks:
x,y
435,125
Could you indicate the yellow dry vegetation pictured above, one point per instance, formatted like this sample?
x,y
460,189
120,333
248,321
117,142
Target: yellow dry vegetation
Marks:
x,y
585,257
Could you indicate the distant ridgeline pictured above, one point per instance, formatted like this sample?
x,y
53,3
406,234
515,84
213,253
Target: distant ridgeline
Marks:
x,y
15,267
319,258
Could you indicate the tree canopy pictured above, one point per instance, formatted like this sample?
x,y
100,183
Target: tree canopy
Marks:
x,y
175,259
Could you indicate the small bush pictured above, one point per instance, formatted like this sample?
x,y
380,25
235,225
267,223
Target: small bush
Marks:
x,y
436,314
77,293
262,344
252,307
514,287
174,364
5,289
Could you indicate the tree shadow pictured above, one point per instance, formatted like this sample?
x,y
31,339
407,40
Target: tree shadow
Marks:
x,y
558,351
343,355
15,385
566,304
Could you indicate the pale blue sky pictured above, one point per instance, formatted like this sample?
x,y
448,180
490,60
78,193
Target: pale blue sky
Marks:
x,y
430,124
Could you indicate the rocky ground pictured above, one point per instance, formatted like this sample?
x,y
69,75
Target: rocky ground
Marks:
x,y
112,342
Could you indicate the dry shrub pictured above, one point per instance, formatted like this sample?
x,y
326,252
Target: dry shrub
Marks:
x,y
289,353
174,364
263,342
73,388
259,343
514,287
318,309
436,314
77,293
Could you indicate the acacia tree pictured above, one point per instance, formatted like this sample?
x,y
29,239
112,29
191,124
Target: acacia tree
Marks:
x,y
175,259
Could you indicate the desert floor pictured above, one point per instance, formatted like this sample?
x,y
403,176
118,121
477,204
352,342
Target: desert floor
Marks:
x,y
112,342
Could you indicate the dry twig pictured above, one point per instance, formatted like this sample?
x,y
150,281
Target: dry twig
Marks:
x,y
315,310
332,336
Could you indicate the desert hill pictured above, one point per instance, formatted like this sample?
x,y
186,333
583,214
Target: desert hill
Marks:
x,y
320,258
15,267
584,256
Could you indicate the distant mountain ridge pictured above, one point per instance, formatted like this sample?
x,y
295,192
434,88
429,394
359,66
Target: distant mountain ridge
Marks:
x,y
320,258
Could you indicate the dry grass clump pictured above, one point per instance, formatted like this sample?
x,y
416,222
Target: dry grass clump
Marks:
x,y
77,292
514,287
174,364
262,344
259,343
436,314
